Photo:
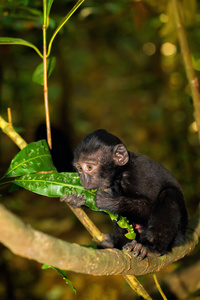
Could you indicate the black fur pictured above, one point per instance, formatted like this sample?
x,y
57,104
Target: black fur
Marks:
x,y
141,190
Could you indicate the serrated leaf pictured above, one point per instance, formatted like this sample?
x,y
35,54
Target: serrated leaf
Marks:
x,y
17,41
62,273
38,73
35,157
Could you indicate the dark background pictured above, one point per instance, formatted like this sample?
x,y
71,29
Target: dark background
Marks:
x,y
118,67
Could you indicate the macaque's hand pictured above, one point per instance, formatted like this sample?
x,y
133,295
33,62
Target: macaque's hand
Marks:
x,y
74,201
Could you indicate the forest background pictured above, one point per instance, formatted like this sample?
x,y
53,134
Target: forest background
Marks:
x,y
118,67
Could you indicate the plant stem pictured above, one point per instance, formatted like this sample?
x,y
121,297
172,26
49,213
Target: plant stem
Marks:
x,y
192,79
159,287
46,102
89,225
136,286
13,135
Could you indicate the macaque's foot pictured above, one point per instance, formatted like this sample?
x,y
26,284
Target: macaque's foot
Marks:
x,y
108,242
74,201
139,250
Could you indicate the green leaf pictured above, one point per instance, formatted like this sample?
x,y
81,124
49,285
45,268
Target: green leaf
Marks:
x,y
124,223
38,73
62,273
35,157
54,185
16,41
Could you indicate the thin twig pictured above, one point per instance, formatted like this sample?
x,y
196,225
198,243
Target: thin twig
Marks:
x,y
159,287
46,101
9,116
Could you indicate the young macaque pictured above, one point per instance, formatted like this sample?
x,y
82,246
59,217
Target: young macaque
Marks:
x,y
135,187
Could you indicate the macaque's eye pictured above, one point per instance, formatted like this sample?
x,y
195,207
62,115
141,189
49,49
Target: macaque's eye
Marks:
x,y
80,169
89,168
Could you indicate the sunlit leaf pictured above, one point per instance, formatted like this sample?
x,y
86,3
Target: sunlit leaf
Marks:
x,y
35,157
55,185
38,73
62,273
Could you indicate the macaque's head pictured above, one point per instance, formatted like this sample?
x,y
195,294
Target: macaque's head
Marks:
x,y
99,158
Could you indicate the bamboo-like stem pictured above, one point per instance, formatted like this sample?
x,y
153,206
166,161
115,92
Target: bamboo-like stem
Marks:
x,y
8,129
97,235
46,101
192,79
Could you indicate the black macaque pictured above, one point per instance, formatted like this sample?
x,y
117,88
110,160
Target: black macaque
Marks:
x,y
133,186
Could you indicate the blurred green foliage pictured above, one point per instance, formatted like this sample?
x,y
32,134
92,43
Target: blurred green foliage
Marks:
x,y
118,67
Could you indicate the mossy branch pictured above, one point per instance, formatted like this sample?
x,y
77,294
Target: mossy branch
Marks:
x,y
27,242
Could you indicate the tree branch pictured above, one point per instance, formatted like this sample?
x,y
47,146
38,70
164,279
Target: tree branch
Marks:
x,y
32,244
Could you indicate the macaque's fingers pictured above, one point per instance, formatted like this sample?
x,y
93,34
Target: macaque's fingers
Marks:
x,y
74,201
130,246
138,249
142,254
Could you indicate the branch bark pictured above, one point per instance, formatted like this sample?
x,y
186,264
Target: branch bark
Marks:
x,y
23,240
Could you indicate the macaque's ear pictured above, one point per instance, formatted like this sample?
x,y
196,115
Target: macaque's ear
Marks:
x,y
120,155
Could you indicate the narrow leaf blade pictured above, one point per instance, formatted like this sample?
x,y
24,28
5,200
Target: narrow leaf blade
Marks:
x,y
35,157
17,41
63,274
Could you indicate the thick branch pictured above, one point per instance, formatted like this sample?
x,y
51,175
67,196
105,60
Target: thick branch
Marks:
x,y
27,242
